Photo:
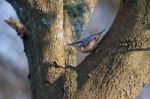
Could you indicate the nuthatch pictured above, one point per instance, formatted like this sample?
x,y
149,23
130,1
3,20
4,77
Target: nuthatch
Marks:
x,y
17,25
89,43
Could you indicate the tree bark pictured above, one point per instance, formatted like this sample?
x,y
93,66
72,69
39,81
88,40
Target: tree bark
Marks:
x,y
117,69
44,45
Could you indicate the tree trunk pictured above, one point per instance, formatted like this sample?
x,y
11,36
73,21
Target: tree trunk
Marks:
x,y
117,69
44,45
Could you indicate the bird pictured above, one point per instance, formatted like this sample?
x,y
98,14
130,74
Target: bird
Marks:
x,y
17,25
87,44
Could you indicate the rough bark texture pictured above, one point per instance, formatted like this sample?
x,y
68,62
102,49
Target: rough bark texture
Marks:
x,y
117,69
44,45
